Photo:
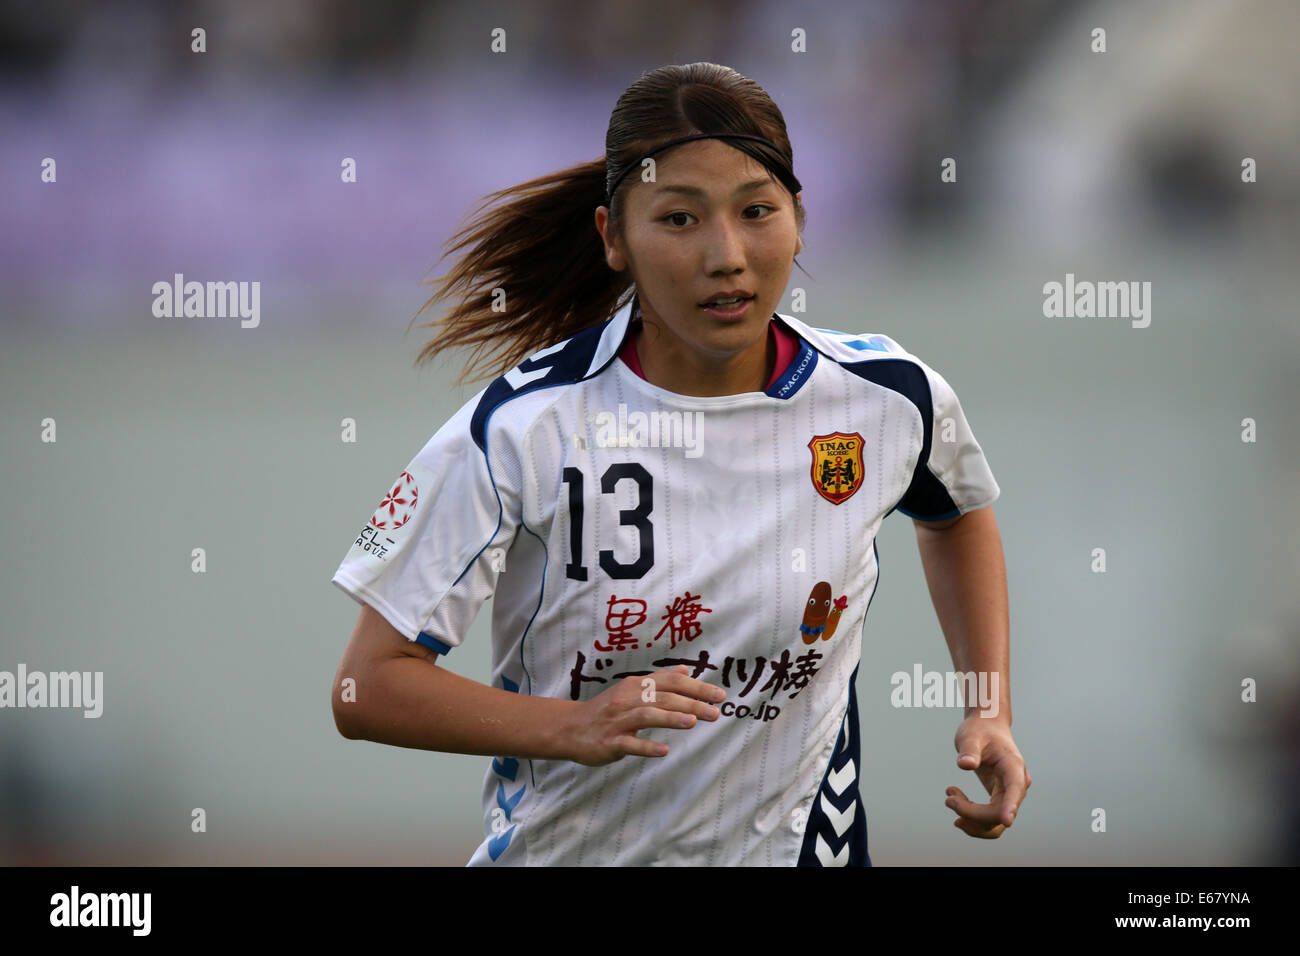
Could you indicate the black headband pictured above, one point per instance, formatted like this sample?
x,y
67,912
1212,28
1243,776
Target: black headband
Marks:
x,y
785,175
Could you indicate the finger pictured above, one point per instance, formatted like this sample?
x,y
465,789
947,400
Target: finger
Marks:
x,y
637,747
986,814
677,680
1014,785
653,715
985,830
969,746
977,831
686,705
685,693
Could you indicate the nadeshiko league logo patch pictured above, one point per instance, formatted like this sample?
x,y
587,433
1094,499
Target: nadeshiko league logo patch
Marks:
x,y
836,465
399,504
384,532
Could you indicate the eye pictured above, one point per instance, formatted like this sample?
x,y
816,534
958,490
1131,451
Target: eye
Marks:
x,y
812,602
827,603
674,215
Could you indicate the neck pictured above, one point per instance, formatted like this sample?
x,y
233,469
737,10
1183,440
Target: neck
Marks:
x,y
671,364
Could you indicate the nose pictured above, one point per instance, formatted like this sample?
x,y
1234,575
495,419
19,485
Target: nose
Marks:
x,y
724,246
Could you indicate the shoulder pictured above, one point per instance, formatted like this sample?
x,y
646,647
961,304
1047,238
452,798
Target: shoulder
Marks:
x,y
847,347
873,357
513,400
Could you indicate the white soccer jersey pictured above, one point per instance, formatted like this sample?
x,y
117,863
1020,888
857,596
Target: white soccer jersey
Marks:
x,y
623,529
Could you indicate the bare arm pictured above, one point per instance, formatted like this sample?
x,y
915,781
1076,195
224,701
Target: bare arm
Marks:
x,y
967,576
966,572
405,699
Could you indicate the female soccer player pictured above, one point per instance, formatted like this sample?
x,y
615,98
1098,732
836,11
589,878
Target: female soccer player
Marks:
x,y
673,503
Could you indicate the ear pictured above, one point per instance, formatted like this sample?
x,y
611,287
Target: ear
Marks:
x,y
613,252
799,244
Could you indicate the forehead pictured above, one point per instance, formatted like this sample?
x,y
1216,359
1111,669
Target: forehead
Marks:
x,y
707,166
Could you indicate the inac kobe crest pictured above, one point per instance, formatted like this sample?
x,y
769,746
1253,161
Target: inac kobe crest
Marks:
x,y
836,465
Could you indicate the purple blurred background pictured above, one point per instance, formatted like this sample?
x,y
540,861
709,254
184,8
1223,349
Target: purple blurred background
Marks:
x,y
176,434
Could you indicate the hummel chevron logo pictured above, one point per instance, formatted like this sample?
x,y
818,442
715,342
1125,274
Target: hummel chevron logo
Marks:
x,y
839,779
840,821
508,804
497,844
831,859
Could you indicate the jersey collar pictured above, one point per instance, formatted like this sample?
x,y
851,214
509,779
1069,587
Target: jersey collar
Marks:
x,y
797,372
612,337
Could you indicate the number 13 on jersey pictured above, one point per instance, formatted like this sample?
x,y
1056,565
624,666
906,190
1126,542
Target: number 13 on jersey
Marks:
x,y
638,518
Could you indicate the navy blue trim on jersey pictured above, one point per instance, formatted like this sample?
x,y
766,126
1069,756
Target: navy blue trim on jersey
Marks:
x,y
541,592
563,367
561,364
432,643
822,845
817,818
926,498
797,373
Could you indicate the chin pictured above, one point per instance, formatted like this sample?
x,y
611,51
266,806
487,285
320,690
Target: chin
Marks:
x,y
722,340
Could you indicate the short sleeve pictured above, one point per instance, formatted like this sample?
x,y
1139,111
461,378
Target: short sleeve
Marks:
x,y
952,476
430,554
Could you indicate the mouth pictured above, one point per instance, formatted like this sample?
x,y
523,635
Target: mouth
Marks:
x,y
729,306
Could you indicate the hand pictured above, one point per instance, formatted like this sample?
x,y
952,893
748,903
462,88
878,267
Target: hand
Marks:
x,y
984,745
604,729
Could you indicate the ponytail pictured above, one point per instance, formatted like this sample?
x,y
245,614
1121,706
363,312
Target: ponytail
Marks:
x,y
536,273
540,261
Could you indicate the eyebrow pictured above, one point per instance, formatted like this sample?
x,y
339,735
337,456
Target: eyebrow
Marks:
x,y
696,191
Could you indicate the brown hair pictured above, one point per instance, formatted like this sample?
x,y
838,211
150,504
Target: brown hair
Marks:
x,y
541,247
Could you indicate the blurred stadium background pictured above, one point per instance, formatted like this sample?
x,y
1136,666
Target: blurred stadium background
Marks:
x,y
183,433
